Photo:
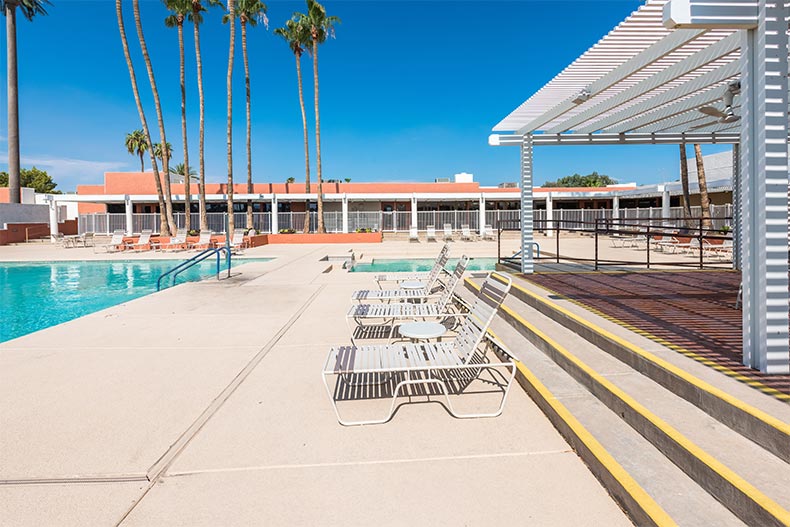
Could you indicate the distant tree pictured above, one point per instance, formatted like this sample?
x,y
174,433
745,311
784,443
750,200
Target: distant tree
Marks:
x,y
159,153
576,180
33,178
180,170
290,180
137,144
684,183
348,180
29,9
702,182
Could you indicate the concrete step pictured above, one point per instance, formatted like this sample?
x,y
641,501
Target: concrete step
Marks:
x,y
660,493
746,478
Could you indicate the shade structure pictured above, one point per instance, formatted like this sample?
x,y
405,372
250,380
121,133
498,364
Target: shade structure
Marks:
x,y
688,71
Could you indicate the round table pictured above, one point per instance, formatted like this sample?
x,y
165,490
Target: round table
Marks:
x,y
422,330
412,284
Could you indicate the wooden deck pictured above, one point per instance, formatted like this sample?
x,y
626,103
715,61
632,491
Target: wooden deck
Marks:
x,y
693,311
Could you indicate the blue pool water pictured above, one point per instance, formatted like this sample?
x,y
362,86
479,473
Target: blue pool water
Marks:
x,y
419,264
39,295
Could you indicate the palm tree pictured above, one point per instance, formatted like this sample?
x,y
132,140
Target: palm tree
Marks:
x,y
248,12
196,17
29,9
136,144
684,182
320,26
180,10
704,199
164,227
181,170
160,154
165,157
296,36
232,18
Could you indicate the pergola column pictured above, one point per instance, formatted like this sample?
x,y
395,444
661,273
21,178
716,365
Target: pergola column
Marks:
x,y
764,105
344,207
665,201
616,208
53,216
527,235
274,222
737,233
129,209
482,215
549,215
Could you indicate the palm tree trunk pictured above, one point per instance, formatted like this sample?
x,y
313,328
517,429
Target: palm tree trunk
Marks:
x,y
704,199
142,163
201,133
320,198
249,125
187,182
684,182
163,225
306,143
232,18
14,187
163,140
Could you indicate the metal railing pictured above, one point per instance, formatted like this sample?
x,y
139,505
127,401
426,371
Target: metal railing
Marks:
x,y
186,264
397,221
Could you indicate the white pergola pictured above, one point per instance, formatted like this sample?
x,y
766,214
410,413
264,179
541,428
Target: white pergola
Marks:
x,y
645,83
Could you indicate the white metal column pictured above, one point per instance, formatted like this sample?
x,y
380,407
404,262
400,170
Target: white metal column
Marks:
x,y
414,211
482,215
764,105
53,216
129,209
737,226
344,205
527,235
275,219
616,208
665,201
549,215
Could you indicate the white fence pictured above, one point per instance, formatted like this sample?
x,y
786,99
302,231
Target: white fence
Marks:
x,y
394,221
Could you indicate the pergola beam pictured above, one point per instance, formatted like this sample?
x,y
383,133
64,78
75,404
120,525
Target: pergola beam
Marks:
x,y
653,53
689,64
616,139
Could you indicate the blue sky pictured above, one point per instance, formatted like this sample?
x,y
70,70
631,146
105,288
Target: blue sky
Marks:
x,y
409,91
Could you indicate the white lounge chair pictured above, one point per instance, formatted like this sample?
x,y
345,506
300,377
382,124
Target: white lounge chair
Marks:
x,y
488,233
466,234
143,243
400,277
448,232
423,291
413,235
451,367
204,241
177,242
389,313
116,243
237,242
430,233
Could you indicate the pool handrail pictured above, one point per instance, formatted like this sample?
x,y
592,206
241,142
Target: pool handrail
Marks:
x,y
186,264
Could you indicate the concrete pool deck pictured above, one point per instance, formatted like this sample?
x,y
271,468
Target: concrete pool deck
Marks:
x,y
212,391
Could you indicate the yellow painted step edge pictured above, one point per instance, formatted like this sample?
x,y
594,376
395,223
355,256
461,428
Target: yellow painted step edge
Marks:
x,y
699,383
767,504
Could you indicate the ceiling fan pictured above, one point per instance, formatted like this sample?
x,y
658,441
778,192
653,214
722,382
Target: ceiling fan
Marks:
x,y
727,115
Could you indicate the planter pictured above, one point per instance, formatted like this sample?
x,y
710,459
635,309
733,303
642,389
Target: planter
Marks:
x,y
351,237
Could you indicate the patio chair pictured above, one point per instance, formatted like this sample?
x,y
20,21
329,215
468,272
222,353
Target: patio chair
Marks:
x,y
454,366
204,241
400,277
389,313
488,233
143,243
176,243
116,243
466,234
430,233
448,232
413,235
424,289
237,241
58,239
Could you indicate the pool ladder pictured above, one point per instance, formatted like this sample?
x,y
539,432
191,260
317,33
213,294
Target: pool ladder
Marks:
x,y
186,264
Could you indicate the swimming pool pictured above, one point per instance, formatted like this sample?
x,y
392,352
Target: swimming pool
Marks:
x,y
37,295
420,264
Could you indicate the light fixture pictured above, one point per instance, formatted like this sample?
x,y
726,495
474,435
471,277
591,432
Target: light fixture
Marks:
x,y
582,96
